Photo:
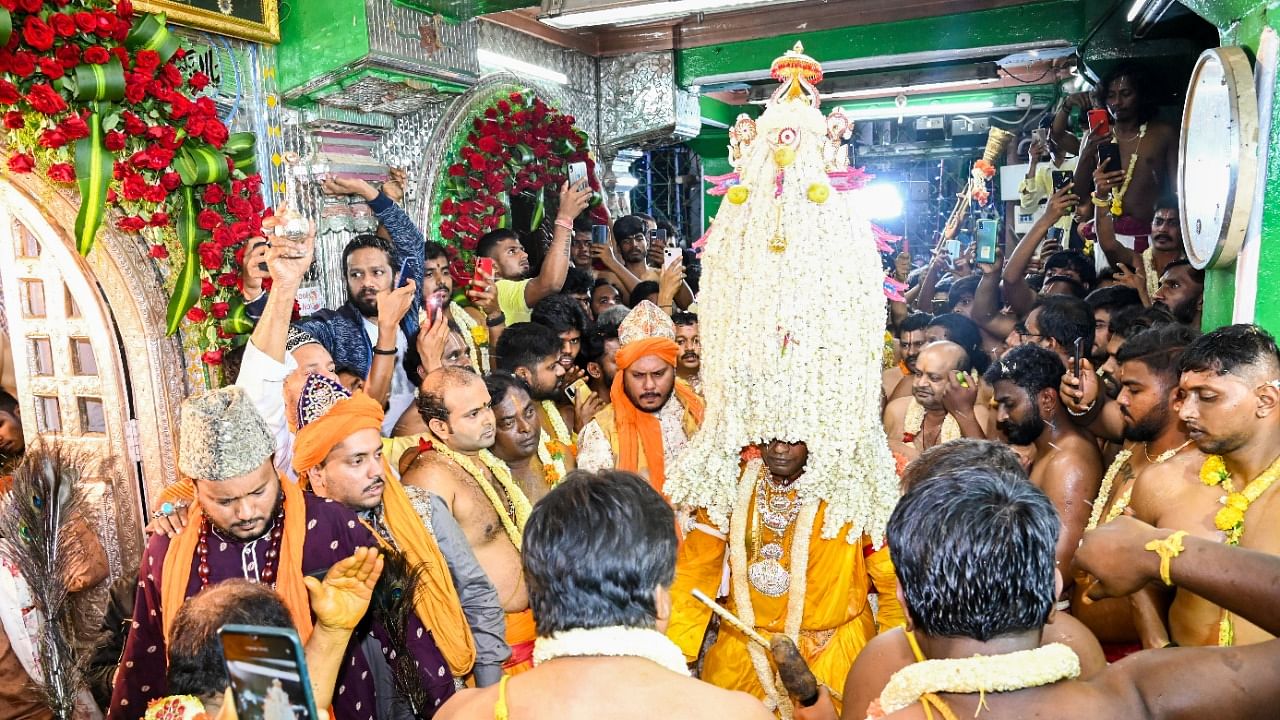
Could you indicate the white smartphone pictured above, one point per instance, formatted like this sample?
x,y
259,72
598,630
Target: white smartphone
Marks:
x,y
577,174
953,249
670,255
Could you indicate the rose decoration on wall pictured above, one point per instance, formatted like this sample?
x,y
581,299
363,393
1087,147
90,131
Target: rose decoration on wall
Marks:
x,y
92,95
515,154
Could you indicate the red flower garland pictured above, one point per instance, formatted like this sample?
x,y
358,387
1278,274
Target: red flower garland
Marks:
x,y
145,132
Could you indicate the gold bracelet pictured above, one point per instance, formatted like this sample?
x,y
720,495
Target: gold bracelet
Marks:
x,y
1100,202
1168,549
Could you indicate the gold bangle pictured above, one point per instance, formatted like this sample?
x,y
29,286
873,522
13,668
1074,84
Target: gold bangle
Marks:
x,y
1168,549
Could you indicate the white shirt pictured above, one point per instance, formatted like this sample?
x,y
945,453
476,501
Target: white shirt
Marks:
x,y
402,391
262,379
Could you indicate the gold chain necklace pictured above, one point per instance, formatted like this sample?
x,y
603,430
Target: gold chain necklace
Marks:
x,y
517,507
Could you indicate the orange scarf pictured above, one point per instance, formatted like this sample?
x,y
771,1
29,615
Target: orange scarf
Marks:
x,y
638,429
437,603
289,586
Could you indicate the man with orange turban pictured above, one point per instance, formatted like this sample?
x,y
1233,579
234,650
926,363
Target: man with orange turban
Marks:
x,y
338,450
653,413
246,522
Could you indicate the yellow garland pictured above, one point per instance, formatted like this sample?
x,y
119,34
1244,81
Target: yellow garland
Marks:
x,y
1104,492
1117,197
552,462
476,337
501,473
558,427
1153,279
980,674
745,609
1230,519
913,423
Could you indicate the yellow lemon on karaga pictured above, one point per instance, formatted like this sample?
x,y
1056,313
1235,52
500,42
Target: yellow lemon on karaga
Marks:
x,y
819,192
784,156
738,194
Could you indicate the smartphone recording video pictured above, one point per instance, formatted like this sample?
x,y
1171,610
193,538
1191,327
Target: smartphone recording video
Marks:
x,y
268,673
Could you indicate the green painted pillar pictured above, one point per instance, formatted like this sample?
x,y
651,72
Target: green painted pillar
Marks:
x,y
1241,22
320,37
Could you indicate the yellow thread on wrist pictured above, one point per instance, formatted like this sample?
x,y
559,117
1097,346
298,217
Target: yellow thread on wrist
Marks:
x,y
1168,549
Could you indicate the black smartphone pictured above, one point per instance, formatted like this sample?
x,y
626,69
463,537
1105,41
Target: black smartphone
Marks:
x,y
1109,157
660,237
403,276
1077,357
268,672
1062,178
599,234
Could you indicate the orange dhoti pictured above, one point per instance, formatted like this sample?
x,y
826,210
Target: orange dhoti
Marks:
x,y
521,633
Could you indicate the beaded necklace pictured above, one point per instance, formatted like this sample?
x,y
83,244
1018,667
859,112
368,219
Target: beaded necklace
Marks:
x,y
1117,197
268,574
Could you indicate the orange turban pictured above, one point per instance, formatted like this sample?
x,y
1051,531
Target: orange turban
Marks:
x,y
317,438
637,428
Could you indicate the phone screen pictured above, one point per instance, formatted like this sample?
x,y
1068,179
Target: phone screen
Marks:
x,y
268,672
1061,179
403,275
1109,157
599,234
577,174
1077,354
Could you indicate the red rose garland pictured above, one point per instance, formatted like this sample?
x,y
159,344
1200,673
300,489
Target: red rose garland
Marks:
x,y
518,145
53,49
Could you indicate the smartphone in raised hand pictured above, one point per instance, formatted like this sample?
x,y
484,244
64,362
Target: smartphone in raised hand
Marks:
x,y
987,238
1077,357
577,174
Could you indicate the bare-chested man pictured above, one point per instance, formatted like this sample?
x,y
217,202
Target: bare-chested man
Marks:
x,y
953,541
1156,478
1231,378
941,406
1128,93
516,443
1066,463
478,489
911,340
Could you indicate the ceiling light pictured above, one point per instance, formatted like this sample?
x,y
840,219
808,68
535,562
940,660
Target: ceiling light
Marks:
x,y
917,88
492,59
929,108
568,14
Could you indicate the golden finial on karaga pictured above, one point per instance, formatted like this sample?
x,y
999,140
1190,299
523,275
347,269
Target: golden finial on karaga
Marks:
x,y
799,75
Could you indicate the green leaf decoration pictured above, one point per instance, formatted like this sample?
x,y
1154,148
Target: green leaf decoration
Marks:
x,y
538,211
97,83
240,148
504,220
186,291
6,26
200,164
93,173
237,321
150,33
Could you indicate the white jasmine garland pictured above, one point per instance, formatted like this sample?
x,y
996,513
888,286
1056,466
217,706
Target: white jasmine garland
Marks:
x,y
612,641
792,340
980,674
479,353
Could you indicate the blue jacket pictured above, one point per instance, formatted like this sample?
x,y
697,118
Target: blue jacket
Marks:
x,y
342,331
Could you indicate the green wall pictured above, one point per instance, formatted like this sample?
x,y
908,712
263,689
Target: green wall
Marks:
x,y
320,36
1241,22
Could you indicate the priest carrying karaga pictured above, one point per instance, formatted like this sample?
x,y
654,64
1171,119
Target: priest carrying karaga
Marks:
x,y
790,478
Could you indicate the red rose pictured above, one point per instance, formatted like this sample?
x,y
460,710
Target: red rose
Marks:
x,y
455,170
198,81
97,55
170,75
213,194
196,315
124,8
133,124
242,230
210,256
85,21
155,193
206,288
229,280
208,219
23,63
14,120
51,68
61,172
517,98
121,54
159,91
159,219
32,6
53,138
159,252
196,124
479,163
134,187
21,163
489,144
215,133
470,243
36,34
239,207
112,197
8,93
131,223
113,140
135,92
44,99
220,309
213,357
106,23
64,25
448,208
74,127
68,55
170,181
146,61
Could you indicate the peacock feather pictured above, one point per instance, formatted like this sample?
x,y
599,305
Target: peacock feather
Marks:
x,y
393,606
34,515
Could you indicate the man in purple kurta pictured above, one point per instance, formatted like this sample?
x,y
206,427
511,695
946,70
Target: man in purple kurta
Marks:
x,y
227,450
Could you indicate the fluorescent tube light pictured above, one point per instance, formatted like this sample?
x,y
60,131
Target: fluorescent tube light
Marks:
x,y
520,67
934,108
903,89
642,12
